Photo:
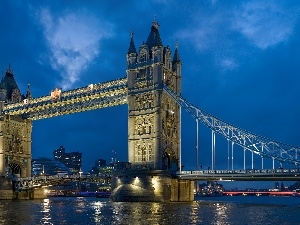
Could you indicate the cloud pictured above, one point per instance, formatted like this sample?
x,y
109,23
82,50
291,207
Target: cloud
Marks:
x,y
210,34
264,23
228,64
203,32
214,2
220,34
74,42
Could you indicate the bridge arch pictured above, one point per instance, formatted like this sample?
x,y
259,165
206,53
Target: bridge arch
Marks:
x,y
169,160
14,168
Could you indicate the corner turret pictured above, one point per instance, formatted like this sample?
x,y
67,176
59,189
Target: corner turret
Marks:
x,y
9,90
28,94
176,57
176,66
131,55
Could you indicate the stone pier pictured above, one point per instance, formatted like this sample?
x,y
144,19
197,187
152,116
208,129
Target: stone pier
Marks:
x,y
7,192
150,186
38,193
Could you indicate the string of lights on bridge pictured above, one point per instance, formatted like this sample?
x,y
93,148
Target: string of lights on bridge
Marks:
x,y
93,96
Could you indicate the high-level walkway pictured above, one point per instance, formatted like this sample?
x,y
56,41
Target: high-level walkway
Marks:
x,y
93,96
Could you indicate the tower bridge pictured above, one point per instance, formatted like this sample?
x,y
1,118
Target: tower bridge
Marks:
x,y
152,90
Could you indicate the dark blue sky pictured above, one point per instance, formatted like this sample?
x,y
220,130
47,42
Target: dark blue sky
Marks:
x,y
240,63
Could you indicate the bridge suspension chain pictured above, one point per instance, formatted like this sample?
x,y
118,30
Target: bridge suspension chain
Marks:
x,y
262,146
78,100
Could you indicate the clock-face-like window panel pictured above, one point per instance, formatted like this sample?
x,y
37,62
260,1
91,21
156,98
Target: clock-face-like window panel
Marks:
x,y
143,55
157,56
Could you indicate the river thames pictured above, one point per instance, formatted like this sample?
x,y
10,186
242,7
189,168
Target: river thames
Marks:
x,y
235,210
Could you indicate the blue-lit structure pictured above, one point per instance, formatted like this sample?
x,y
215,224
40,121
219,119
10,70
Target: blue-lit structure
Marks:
x,y
46,166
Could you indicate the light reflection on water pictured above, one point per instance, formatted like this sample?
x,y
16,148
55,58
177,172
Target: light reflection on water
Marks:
x,y
46,212
217,211
97,206
222,210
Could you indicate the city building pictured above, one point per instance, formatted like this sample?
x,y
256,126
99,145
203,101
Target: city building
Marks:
x,y
100,168
73,160
46,166
104,171
99,164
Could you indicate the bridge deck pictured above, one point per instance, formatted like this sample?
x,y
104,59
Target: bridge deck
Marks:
x,y
22,184
242,175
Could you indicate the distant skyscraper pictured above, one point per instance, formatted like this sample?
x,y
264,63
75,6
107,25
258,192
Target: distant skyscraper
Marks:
x,y
101,168
99,165
59,154
73,160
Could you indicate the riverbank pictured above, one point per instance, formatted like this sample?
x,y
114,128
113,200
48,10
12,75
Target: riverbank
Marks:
x,y
258,193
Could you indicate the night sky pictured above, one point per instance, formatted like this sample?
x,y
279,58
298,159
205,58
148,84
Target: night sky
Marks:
x,y
240,63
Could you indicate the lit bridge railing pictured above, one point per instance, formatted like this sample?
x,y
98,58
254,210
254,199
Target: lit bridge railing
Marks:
x,y
262,146
22,184
242,175
78,100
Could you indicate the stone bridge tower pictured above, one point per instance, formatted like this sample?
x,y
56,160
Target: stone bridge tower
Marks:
x,y
15,132
154,117
153,126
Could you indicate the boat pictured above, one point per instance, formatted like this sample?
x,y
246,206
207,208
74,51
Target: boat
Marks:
x,y
296,193
53,193
104,194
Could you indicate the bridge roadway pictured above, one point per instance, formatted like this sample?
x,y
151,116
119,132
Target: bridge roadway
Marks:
x,y
23,184
242,175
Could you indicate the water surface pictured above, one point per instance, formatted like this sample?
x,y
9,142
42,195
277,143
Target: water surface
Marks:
x,y
235,210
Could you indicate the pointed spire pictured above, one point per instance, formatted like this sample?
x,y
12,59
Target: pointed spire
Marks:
x,y
9,71
8,83
132,48
176,57
28,94
154,23
154,37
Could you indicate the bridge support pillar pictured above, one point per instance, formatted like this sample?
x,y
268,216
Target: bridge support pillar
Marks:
x,y
7,192
182,190
150,186
38,193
